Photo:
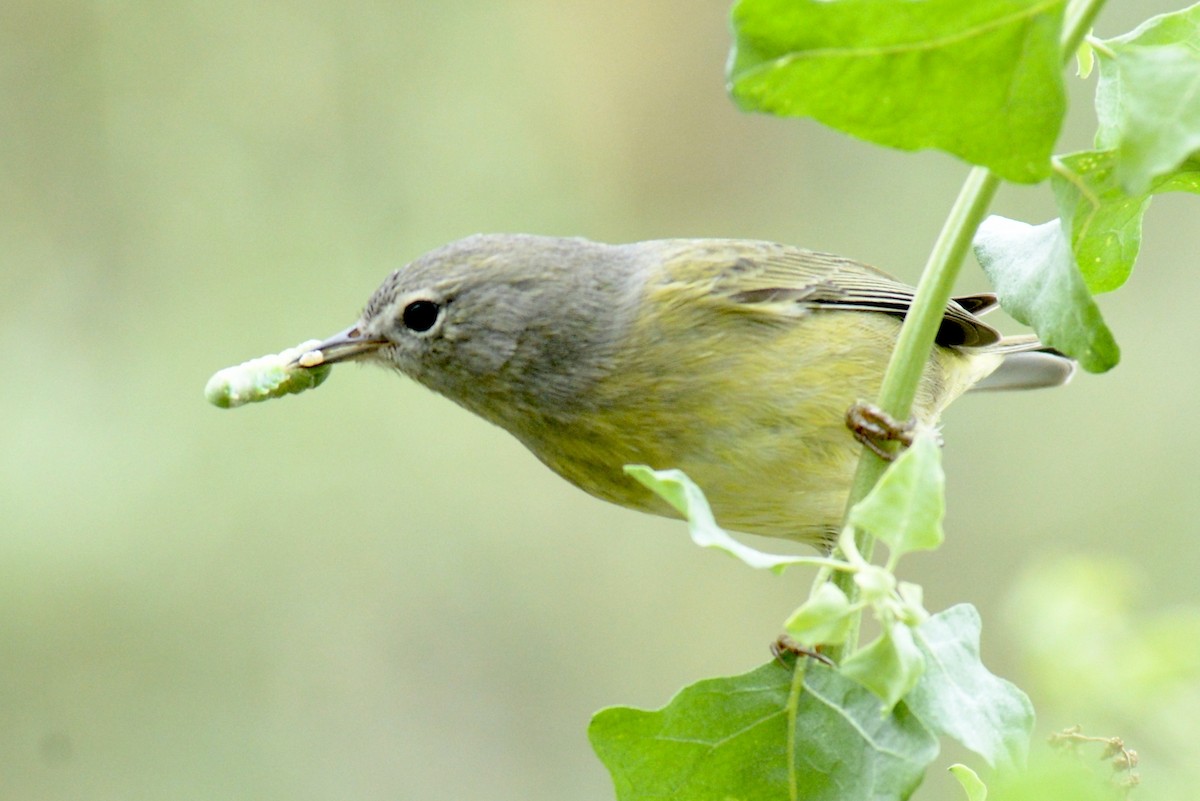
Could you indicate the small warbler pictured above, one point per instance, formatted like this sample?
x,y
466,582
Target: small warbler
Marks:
x,y
734,361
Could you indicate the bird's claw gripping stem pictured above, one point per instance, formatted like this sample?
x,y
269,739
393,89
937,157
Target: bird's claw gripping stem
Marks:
x,y
874,427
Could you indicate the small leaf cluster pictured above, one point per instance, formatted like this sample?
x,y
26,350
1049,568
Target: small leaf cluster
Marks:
x,y
1147,142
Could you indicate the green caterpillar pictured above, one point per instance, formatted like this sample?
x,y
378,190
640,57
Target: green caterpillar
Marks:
x,y
291,371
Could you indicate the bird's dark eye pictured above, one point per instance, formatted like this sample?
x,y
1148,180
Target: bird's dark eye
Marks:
x,y
420,315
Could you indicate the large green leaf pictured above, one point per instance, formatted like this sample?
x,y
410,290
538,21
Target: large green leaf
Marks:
x,y
726,739
981,80
958,697
1034,272
1148,98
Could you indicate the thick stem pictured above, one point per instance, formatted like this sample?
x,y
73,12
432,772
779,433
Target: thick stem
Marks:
x,y
913,347
933,293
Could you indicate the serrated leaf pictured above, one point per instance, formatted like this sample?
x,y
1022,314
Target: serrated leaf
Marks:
x,y
727,738
889,666
959,698
1104,220
969,780
980,80
1148,97
907,504
824,619
681,492
1034,273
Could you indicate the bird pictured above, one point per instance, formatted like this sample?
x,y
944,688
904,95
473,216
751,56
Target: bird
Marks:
x,y
732,360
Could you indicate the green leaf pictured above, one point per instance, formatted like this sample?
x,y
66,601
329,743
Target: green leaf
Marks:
x,y
824,619
889,667
972,785
1106,222
959,698
1148,97
681,492
1034,273
728,738
906,506
980,80
876,584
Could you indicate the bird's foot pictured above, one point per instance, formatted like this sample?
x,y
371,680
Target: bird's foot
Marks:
x,y
874,427
786,645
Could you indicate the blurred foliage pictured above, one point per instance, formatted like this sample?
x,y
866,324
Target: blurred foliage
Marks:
x,y
1099,658
365,592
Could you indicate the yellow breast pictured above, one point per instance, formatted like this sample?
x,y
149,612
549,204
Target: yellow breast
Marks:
x,y
750,405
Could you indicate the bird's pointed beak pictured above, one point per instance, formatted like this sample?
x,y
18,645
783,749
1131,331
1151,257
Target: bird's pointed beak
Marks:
x,y
342,346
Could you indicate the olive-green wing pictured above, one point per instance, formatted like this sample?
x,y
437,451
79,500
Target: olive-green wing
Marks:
x,y
763,272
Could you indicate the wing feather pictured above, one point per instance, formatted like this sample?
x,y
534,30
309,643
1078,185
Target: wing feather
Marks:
x,y
754,273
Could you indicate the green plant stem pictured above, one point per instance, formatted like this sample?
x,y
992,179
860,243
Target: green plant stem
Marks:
x,y
1079,18
924,318
913,347
915,341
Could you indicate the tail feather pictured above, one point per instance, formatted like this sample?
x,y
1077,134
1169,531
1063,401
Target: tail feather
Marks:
x,y
1028,364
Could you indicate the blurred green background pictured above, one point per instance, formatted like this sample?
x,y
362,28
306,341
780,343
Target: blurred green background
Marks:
x,y
366,592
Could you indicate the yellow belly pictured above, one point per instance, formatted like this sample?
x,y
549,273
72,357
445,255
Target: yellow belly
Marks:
x,y
753,411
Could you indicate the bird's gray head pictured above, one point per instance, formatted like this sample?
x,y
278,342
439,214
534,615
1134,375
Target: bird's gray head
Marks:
x,y
503,324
